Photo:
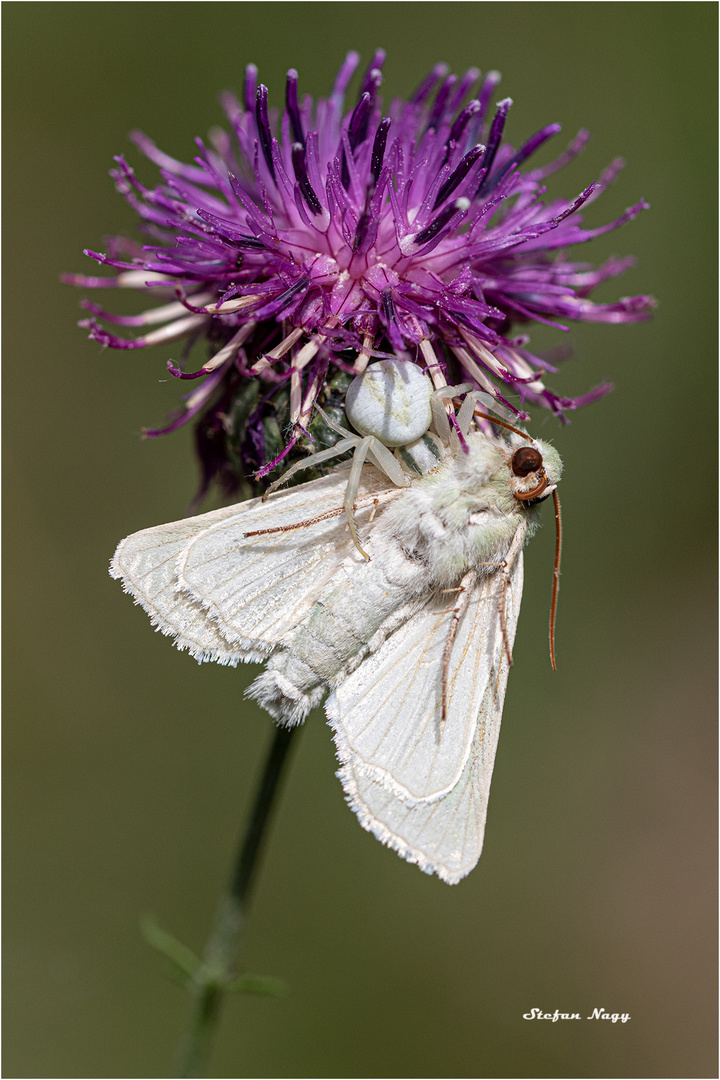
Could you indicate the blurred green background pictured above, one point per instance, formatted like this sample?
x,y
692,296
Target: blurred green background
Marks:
x,y
129,767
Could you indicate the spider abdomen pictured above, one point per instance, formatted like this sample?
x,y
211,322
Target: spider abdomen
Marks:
x,y
390,400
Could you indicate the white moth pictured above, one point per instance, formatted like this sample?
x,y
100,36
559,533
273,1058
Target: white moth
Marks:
x,y
408,630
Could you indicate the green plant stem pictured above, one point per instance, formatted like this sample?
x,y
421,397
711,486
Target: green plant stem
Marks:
x,y
220,955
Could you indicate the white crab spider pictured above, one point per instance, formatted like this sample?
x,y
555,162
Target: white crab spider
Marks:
x,y
392,406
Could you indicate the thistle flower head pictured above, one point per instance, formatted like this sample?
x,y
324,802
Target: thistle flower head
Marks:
x,y
303,243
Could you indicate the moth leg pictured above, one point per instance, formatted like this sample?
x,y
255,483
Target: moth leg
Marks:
x,y
464,594
459,588
322,455
463,600
506,564
503,613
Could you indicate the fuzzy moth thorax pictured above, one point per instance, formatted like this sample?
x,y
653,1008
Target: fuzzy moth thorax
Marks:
x,y
462,515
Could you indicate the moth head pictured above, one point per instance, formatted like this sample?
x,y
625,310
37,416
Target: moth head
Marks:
x,y
535,466
536,469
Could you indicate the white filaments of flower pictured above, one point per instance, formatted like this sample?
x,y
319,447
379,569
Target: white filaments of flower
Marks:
x,y
392,405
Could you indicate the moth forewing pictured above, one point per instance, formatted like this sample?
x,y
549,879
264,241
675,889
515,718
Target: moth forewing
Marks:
x,y
235,594
145,564
255,588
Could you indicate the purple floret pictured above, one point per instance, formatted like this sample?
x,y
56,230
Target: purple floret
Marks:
x,y
306,243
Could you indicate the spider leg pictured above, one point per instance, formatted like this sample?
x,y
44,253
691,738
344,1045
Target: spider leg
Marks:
x,y
453,391
337,428
440,420
351,490
466,411
387,462
440,411
314,459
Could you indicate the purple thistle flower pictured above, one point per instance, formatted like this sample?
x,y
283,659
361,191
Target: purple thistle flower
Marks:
x,y
308,242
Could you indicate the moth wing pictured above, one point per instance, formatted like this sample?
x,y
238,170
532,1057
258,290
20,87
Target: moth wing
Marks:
x,y
287,568
146,565
431,808
255,589
444,837
387,714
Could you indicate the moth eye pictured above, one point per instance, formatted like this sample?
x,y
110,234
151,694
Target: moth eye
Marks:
x,y
526,460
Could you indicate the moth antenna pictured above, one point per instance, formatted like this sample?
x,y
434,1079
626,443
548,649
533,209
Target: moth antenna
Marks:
x,y
512,555
556,577
373,500
296,524
502,423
